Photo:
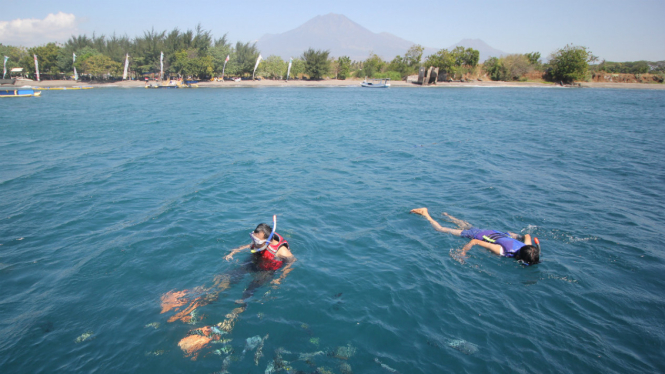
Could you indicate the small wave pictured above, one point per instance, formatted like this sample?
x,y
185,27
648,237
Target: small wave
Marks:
x,y
565,279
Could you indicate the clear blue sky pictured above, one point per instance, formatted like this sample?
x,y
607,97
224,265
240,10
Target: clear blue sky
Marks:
x,y
613,30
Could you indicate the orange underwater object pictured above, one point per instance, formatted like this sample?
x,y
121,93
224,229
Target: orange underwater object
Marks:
x,y
173,300
192,344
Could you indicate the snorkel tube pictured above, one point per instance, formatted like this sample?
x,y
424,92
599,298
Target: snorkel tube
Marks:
x,y
537,242
274,227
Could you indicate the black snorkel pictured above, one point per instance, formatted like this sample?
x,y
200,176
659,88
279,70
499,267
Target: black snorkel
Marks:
x,y
537,242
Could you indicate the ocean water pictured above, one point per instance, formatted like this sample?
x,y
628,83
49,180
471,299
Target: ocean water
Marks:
x,y
112,197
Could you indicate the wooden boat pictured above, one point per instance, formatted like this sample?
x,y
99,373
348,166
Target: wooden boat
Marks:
x,y
18,92
376,83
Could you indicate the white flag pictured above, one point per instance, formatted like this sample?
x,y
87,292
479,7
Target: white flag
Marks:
x,y
4,69
257,65
288,71
76,75
36,68
225,61
161,66
124,75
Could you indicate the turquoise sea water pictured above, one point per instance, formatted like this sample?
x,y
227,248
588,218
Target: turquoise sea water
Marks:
x,y
112,197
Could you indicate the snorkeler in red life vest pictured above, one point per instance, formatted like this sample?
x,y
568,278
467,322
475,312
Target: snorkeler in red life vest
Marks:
x,y
269,249
501,243
270,253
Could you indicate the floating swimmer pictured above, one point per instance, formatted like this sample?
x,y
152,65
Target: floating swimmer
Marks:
x,y
501,243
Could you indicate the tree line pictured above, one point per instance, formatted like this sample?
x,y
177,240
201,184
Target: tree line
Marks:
x,y
196,53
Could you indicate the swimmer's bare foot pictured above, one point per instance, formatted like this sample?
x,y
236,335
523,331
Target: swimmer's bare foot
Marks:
x,y
421,211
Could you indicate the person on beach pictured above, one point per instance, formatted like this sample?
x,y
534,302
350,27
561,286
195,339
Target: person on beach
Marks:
x,y
506,244
269,253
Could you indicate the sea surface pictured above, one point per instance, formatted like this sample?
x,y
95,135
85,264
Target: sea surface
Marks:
x,y
111,197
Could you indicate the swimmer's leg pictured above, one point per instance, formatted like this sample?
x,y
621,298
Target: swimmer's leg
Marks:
x,y
425,213
517,236
464,225
260,278
220,283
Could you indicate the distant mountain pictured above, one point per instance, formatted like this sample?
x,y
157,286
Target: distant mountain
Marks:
x,y
336,33
485,50
343,37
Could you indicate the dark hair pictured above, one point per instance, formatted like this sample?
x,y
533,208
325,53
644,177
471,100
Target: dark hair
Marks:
x,y
530,254
264,228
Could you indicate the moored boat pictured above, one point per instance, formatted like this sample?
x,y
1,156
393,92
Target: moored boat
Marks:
x,y
18,92
376,83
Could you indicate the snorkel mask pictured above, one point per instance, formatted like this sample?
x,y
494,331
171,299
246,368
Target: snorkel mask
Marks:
x,y
262,244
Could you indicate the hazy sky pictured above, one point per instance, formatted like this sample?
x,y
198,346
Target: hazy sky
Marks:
x,y
612,30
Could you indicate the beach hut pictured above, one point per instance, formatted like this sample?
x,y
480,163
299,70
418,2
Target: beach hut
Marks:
x,y
16,71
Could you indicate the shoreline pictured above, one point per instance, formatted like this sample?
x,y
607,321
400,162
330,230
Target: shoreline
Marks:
x,y
342,83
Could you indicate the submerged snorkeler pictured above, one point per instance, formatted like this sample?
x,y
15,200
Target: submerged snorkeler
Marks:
x,y
270,253
501,243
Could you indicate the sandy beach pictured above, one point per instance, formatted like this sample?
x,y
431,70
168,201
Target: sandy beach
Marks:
x,y
338,83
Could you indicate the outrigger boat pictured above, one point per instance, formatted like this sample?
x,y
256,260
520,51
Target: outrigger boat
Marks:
x,y
18,92
376,83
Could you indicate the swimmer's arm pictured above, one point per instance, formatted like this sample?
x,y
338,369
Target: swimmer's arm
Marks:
x,y
229,257
289,258
526,240
495,248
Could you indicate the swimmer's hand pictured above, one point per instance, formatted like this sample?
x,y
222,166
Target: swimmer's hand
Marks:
x,y
276,281
421,211
229,257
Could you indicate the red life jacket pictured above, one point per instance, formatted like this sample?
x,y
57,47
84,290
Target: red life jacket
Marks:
x,y
267,259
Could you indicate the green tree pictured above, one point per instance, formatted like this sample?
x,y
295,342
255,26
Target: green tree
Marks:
x,y
47,55
465,57
316,63
399,64
494,67
344,67
15,55
443,59
99,65
202,41
189,63
81,56
297,67
219,51
413,56
374,64
570,63
533,57
516,65
148,49
273,67
334,67
408,64
245,57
